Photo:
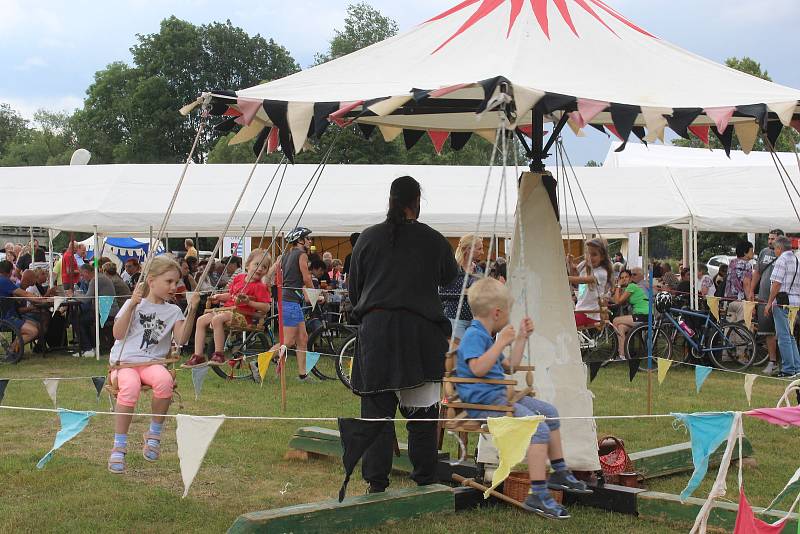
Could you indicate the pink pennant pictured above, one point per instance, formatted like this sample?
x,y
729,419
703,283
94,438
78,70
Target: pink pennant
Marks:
x,y
272,140
447,90
438,137
720,116
778,416
701,132
249,108
748,523
345,108
613,129
587,110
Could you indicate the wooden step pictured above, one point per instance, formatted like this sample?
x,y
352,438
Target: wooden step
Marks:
x,y
674,459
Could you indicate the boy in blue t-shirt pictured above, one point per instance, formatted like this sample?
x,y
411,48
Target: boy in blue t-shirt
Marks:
x,y
480,355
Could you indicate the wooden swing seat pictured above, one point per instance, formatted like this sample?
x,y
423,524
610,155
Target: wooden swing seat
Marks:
x,y
112,386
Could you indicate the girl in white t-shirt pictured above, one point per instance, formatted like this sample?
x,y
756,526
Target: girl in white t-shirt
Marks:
x,y
143,330
595,274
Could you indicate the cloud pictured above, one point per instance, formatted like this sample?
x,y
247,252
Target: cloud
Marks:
x,y
27,107
31,62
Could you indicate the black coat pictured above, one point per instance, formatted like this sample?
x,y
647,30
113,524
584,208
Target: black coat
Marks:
x,y
394,290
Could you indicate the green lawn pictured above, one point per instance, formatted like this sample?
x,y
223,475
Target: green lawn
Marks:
x,y
245,471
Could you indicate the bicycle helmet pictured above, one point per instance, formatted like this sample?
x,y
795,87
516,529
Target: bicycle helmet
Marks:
x,y
663,302
301,232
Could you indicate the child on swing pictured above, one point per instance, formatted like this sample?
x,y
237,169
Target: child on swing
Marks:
x,y
250,296
143,330
480,355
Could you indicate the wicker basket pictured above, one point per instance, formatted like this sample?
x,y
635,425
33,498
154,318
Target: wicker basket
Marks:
x,y
518,485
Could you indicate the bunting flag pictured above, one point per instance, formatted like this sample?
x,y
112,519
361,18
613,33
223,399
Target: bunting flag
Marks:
x,y
707,432
511,437
194,435
786,416
438,138
749,306
748,523
254,372
51,385
749,379
311,360
594,368
633,368
656,122
389,133
72,423
104,304
701,372
720,116
282,355
99,382
701,131
663,366
746,132
313,296
713,306
263,359
357,436
3,386
791,488
57,302
199,375
793,316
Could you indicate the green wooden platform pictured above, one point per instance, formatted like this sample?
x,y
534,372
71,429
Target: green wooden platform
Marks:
x,y
672,459
363,511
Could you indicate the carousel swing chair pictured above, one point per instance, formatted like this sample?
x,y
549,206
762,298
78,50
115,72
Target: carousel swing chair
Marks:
x,y
112,386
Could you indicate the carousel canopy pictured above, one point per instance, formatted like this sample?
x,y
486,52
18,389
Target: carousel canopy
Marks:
x,y
579,58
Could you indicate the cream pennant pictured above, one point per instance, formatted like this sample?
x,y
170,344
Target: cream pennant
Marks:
x,y
299,116
525,99
313,296
655,122
248,132
748,386
389,133
748,307
577,130
511,437
792,316
185,110
51,385
663,366
264,360
57,302
713,306
488,134
194,435
746,132
384,107
784,111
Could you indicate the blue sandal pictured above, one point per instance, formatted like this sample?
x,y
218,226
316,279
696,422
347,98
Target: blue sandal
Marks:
x,y
115,464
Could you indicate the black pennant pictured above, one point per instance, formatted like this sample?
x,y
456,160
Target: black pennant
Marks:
x,y
639,132
420,94
726,138
276,111
366,130
220,105
99,382
681,119
774,129
757,111
624,117
412,136
3,385
226,125
489,86
260,140
321,112
633,367
599,128
459,139
594,368
551,102
357,436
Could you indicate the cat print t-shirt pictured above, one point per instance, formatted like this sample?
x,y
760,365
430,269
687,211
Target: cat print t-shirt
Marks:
x,y
150,333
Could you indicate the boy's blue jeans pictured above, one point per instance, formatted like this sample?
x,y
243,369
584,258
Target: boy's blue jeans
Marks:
x,y
790,356
525,407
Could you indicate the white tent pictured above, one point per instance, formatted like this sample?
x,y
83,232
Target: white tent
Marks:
x,y
656,155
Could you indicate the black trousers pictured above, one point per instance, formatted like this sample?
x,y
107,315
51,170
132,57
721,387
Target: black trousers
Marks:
x,y
422,444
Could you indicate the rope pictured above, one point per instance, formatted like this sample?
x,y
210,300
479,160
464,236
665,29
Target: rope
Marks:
x,y
560,148
583,196
778,165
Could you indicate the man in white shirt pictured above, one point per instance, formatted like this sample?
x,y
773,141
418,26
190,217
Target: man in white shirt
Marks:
x,y
786,282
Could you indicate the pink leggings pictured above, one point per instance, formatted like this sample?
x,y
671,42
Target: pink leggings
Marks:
x,y
130,380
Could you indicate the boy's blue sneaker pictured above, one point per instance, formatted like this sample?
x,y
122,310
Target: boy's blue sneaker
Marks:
x,y
566,481
545,506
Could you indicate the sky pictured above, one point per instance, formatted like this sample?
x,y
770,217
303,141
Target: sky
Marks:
x,y
50,50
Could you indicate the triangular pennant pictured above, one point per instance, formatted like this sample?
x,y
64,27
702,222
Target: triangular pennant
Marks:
x,y
701,372
757,111
512,437
459,139
746,132
573,124
357,436
784,111
51,385
633,368
707,431
312,295
624,117
299,115
525,99
594,368
410,137
701,131
784,416
640,132
199,375
489,87
438,138
311,360
720,116
249,108
264,360
551,102
388,105
663,366
613,129
322,111
57,302
725,138
99,382
655,122
277,112
185,110
248,132
791,488
792,317
104,303
254,372
339,117
282,355
774,129
366,129
748,306
273,139
487,133
72,423
680,120
389,133
749,379
224,127
3,386
713,306
194,435
748,523
588,110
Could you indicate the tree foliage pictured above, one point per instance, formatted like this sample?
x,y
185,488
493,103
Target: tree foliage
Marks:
x,y
51,141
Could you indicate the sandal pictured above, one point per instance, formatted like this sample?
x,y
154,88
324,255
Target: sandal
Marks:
x,y
112,462
154,451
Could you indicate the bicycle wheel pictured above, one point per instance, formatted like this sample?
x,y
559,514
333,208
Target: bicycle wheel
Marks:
x,y
599,345
11,346
732,348
344,364
762,354
328,341
636,345
242,349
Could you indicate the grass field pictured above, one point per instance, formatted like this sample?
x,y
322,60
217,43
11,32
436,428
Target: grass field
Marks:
x,y
244,469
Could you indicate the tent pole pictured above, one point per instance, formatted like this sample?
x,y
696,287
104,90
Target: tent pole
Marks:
x,y
96,261
695,264
50,263
645,249
537,140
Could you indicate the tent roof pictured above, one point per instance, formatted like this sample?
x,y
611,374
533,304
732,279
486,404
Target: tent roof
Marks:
x,y
560,55
654,155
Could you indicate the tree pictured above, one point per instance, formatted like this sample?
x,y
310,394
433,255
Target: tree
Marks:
x,y
363,26
593,163
50,142
11,126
